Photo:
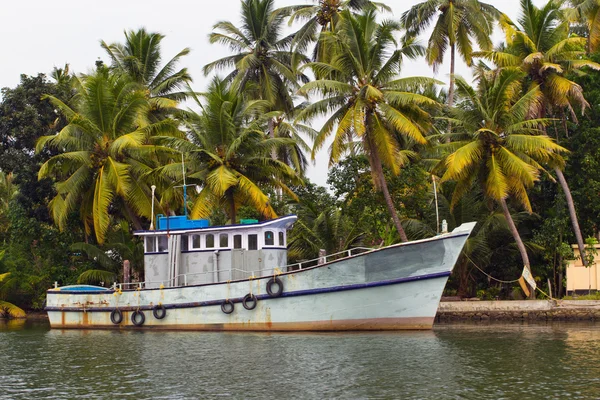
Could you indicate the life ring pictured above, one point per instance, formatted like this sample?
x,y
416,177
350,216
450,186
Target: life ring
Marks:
x,y
116,316
275,280
159,311
225,309
249,298
135,320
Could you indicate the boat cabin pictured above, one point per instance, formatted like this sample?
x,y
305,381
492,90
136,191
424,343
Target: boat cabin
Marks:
x,y
181,252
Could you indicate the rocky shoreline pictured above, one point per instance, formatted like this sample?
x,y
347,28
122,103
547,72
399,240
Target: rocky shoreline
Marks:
x,y
522,310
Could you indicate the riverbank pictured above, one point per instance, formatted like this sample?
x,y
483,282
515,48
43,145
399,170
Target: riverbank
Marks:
x,y
499,310
512,310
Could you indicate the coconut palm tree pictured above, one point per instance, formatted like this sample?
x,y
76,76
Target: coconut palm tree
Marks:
x,y
229,154
540,45
262,56
104,152
366,97
320,17
457,24
500,146
140,58
7,192
586,13
8,282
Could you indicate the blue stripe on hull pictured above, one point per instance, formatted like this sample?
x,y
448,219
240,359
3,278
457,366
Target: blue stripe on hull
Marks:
x,y
260,296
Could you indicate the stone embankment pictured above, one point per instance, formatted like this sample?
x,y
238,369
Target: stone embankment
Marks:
x,y
523,310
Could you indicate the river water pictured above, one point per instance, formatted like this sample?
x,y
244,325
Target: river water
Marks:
x,y
553,361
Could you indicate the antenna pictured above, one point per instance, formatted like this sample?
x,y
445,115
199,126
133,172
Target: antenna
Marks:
x,y
153,187
184,186
437,212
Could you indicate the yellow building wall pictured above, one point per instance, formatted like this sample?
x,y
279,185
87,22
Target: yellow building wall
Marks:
x,y
580,278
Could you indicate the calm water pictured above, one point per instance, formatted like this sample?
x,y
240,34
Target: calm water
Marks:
x,y
451,362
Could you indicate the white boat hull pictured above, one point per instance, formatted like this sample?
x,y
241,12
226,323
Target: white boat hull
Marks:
x,y
398,287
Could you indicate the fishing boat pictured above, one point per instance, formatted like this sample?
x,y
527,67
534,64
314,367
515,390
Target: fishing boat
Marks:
x,y
236,278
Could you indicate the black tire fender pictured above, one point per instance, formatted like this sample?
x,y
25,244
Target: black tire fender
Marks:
x,y
249,302
274,281
159,311
224,305
116,316
138,321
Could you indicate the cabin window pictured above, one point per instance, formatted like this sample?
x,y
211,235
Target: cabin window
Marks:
x,y
196,241
210,241
281,239
269,238
237,241
252,242
163,243
150,244
185,242
223,240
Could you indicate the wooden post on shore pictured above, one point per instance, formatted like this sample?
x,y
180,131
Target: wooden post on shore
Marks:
x,y
126,271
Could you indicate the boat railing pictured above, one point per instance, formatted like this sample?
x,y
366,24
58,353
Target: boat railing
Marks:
x,y
177,280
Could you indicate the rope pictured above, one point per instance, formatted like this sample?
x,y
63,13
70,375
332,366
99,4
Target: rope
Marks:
x,y
501,281
488,275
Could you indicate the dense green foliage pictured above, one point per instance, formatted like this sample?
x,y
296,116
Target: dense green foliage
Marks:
x,y
80,153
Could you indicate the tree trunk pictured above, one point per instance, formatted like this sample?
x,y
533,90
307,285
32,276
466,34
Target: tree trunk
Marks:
x,y
232,210
272,136
517,237
378,168
135,220
572,214
451,87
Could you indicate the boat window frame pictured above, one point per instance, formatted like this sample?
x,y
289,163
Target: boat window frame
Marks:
x,y
199,236
258,244
241,236
221,236
265,233
150,240
185,239
206,242
161,243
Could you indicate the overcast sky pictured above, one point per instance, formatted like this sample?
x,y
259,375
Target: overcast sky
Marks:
x,y
37,35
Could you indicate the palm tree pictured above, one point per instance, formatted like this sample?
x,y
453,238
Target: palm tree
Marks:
x,y
328,229
457,24
501,146
541,46
8,309
104,152
586,13
140,58
320,18
285,126
366,98
121,245
229,154
7,192
263,65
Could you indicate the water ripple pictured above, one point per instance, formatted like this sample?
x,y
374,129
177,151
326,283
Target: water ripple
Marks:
x,y
467,362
